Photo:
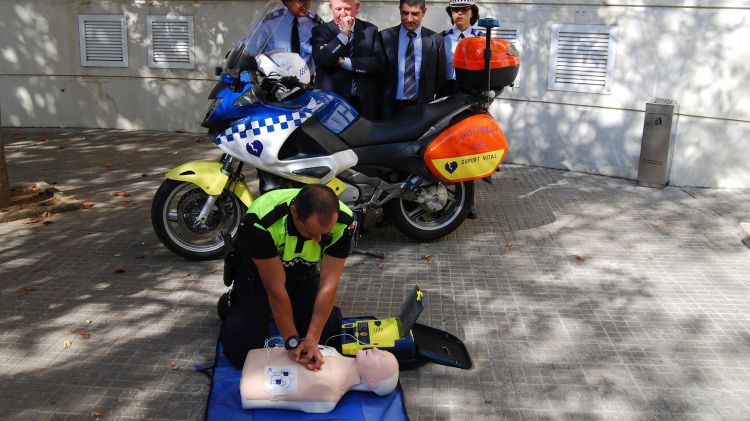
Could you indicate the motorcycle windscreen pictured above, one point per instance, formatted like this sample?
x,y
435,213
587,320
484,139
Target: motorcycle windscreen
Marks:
x,y
468,150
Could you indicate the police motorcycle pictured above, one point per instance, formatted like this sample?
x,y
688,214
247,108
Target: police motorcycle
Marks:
x,y
419,167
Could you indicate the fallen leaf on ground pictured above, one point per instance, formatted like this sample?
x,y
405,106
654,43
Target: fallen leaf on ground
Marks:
x,y
33,187
120,194
88,322
381,266
106,165
19,136
86,335
88,205
129,165
187,274
579,258
214,271
67,344
127,202
28,290
118,254
33,220
144,175
427,258
174,366
120,269
97,414
46,214
47,222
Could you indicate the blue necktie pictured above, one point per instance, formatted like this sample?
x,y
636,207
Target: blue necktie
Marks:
x,y
410,72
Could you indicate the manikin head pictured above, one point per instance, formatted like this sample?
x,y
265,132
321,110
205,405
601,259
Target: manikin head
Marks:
x,y
378,370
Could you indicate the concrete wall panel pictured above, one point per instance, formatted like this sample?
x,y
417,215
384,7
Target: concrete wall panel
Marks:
x,y
687,50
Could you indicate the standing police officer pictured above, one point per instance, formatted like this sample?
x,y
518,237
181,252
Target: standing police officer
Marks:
x,y
463,14
291,247
288,28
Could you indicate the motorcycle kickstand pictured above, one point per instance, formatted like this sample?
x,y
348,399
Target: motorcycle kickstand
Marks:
x,y
358,250
355,241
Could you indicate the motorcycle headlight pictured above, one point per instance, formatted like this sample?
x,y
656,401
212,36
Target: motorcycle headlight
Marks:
x,y
247,98
210,107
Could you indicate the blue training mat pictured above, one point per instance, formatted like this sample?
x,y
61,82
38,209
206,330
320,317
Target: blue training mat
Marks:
x,y
224,401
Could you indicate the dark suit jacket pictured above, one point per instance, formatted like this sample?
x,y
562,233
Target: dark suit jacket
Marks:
x,y
431,72
367,63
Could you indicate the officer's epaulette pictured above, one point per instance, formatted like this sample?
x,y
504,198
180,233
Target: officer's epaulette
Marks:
x,y
274,14
446,32
315,17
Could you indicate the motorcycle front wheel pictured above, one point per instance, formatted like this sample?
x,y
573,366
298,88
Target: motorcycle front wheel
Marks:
x,y
441,208
174,213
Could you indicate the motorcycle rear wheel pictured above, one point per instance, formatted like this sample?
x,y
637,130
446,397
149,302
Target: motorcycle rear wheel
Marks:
x,y
174,210
421,223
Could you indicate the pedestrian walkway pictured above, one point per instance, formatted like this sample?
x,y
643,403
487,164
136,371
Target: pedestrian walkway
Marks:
x,y
578,296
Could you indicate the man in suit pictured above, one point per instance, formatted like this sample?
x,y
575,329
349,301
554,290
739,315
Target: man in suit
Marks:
x,y
348,55
414,60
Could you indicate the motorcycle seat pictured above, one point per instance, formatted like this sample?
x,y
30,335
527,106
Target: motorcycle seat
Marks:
x,y
409,125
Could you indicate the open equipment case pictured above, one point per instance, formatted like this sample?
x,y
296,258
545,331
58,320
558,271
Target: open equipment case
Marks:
x,y
408,340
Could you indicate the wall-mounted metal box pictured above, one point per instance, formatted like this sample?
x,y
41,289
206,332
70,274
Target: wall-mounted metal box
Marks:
x,y
657,144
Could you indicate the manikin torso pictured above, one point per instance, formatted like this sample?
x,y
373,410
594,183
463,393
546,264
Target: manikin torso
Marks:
x,y
270,379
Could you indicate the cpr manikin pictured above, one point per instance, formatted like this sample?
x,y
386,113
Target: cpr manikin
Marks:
x,y
270,379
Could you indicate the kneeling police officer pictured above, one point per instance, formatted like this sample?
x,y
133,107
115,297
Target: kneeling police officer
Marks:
x,y
290,252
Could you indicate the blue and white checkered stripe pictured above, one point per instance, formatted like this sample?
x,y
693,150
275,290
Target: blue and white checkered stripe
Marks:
x,y
266,125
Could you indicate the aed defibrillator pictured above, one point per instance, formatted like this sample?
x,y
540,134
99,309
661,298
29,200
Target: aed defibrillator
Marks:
x,y
404,337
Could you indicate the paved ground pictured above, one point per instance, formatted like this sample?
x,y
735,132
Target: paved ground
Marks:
x,y
578,296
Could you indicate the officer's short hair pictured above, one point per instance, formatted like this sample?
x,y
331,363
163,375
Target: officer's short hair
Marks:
x,y
317,199
420,3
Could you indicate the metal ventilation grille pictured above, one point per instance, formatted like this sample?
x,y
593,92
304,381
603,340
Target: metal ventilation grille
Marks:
x,y
512,32
170,41
506,34
582,58
103,40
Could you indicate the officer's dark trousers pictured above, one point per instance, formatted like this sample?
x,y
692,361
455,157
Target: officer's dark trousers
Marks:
x,y
246,326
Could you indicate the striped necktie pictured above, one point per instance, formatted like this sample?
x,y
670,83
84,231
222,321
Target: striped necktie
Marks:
x,y
410,73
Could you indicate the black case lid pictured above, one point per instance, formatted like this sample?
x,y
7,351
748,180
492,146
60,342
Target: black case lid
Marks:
x,y
441,347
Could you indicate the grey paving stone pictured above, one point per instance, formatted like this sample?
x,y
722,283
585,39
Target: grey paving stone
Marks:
x,y
578,297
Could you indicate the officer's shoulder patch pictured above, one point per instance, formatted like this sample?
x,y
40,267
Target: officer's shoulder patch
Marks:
x,y
274,14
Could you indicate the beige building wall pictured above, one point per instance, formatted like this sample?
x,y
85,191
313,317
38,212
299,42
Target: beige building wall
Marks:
x,y
695,52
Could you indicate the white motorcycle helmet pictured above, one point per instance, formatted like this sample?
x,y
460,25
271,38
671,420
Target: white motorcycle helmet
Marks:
x,y
278,64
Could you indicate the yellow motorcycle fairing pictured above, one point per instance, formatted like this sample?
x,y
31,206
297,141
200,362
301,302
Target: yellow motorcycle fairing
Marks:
x,y
208,176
